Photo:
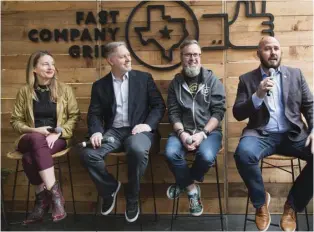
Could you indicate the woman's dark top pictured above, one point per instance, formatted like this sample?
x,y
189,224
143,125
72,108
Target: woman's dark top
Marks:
x,y
45,111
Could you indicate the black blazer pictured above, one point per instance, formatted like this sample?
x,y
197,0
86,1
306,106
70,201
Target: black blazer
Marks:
x,y
297,99
146,104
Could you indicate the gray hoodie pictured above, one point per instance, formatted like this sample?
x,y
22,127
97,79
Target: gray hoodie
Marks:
x,y
195,112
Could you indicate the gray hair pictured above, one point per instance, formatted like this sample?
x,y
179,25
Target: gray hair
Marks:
x,y
110,47
188,42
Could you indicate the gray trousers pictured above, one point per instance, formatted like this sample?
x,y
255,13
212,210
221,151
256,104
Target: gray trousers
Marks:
x,y
136,147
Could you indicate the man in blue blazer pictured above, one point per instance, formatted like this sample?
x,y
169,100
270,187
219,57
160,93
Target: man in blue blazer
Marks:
x,y
273,101
126,107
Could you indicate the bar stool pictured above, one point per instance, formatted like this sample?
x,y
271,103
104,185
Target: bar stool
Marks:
x,y
278,157
119,162
175,205
15,155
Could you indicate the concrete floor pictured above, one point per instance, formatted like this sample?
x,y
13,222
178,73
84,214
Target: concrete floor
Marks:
x,y
182,223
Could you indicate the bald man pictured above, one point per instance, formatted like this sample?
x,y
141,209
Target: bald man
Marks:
x,y
274,104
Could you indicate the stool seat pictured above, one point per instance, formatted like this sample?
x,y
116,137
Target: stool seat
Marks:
x,y
280,157
117,154
16,155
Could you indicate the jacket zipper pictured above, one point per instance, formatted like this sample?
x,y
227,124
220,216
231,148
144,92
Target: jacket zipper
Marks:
x,y
193,105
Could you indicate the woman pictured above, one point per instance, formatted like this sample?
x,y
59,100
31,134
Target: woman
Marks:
x,y
41,105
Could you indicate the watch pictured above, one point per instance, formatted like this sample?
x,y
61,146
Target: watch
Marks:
x,y
206,132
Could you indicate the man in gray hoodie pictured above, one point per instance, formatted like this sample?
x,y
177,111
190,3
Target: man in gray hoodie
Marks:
x,y
196,106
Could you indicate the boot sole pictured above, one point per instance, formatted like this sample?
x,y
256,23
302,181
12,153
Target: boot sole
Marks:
x,y
60,219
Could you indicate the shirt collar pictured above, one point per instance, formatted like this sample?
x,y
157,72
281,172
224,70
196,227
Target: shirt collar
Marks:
x,y
264,75
125,76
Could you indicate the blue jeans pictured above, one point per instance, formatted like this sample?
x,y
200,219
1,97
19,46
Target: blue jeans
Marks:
x,y
205,156
252,149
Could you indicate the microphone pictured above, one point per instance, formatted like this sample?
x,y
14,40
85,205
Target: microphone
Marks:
x,y
57,130
104,140
272,76
189,140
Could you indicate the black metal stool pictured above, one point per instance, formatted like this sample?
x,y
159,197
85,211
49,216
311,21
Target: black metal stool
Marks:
x,y
175,206
15,155
281,167
118,163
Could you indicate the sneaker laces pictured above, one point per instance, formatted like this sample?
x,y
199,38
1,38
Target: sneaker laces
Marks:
x,y
194,201
132,206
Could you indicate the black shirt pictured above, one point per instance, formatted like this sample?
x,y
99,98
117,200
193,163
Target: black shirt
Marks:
x,y
192,83
45,111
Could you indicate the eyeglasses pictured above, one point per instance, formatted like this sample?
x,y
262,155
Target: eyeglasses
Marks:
x,y
189,55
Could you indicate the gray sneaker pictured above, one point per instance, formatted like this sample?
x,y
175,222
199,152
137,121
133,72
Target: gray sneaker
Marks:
x,y
174,191
196,207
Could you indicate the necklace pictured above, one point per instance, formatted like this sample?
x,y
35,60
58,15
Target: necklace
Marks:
x,y
43,90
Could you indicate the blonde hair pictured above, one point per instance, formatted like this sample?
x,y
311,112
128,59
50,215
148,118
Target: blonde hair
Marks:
x,y
31,77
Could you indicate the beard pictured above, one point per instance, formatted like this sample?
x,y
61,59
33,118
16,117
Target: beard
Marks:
x,y
192,71
270,64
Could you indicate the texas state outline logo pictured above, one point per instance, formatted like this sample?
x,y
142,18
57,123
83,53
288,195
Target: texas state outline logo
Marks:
x,y
163,31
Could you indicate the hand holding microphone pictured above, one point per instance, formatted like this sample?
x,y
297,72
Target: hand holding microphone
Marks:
x,y
266,85
88,143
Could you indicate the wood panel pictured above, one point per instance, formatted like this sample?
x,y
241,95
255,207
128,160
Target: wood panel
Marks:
x,y
293,27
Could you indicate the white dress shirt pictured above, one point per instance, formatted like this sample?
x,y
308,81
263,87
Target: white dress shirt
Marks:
x,y
121,92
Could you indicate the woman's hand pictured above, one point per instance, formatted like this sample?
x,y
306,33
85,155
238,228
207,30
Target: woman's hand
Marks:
x,y
43,130
51,139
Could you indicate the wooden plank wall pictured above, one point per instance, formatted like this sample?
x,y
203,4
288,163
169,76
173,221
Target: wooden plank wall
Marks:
x,y
293,27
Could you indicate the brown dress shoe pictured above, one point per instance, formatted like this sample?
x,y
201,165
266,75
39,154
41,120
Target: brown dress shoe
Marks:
x,y
42,203
288,219
262,215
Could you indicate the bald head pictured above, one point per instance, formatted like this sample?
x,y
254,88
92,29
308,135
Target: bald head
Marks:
x,y
266,40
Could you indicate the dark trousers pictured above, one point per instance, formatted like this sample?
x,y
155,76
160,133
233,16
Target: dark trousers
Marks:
x,y
37,156
252,149
205,156
136,148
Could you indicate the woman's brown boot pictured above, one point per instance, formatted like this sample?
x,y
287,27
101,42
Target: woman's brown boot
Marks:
x,y
58,212
42,203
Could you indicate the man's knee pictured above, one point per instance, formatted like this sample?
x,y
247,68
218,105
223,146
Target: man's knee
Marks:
x,y
208,156
137,150
245,155
172,154
88,156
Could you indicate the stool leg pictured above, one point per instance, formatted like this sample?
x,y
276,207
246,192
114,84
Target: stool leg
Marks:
x,y
153,187
117,177
219,197
27,201
140,214
60,175
14,185
177,208
172,215
305,210
3,212
95,214
71,183
293,179
246,212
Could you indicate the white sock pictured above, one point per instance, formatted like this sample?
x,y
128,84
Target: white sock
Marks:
x,y
192,192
